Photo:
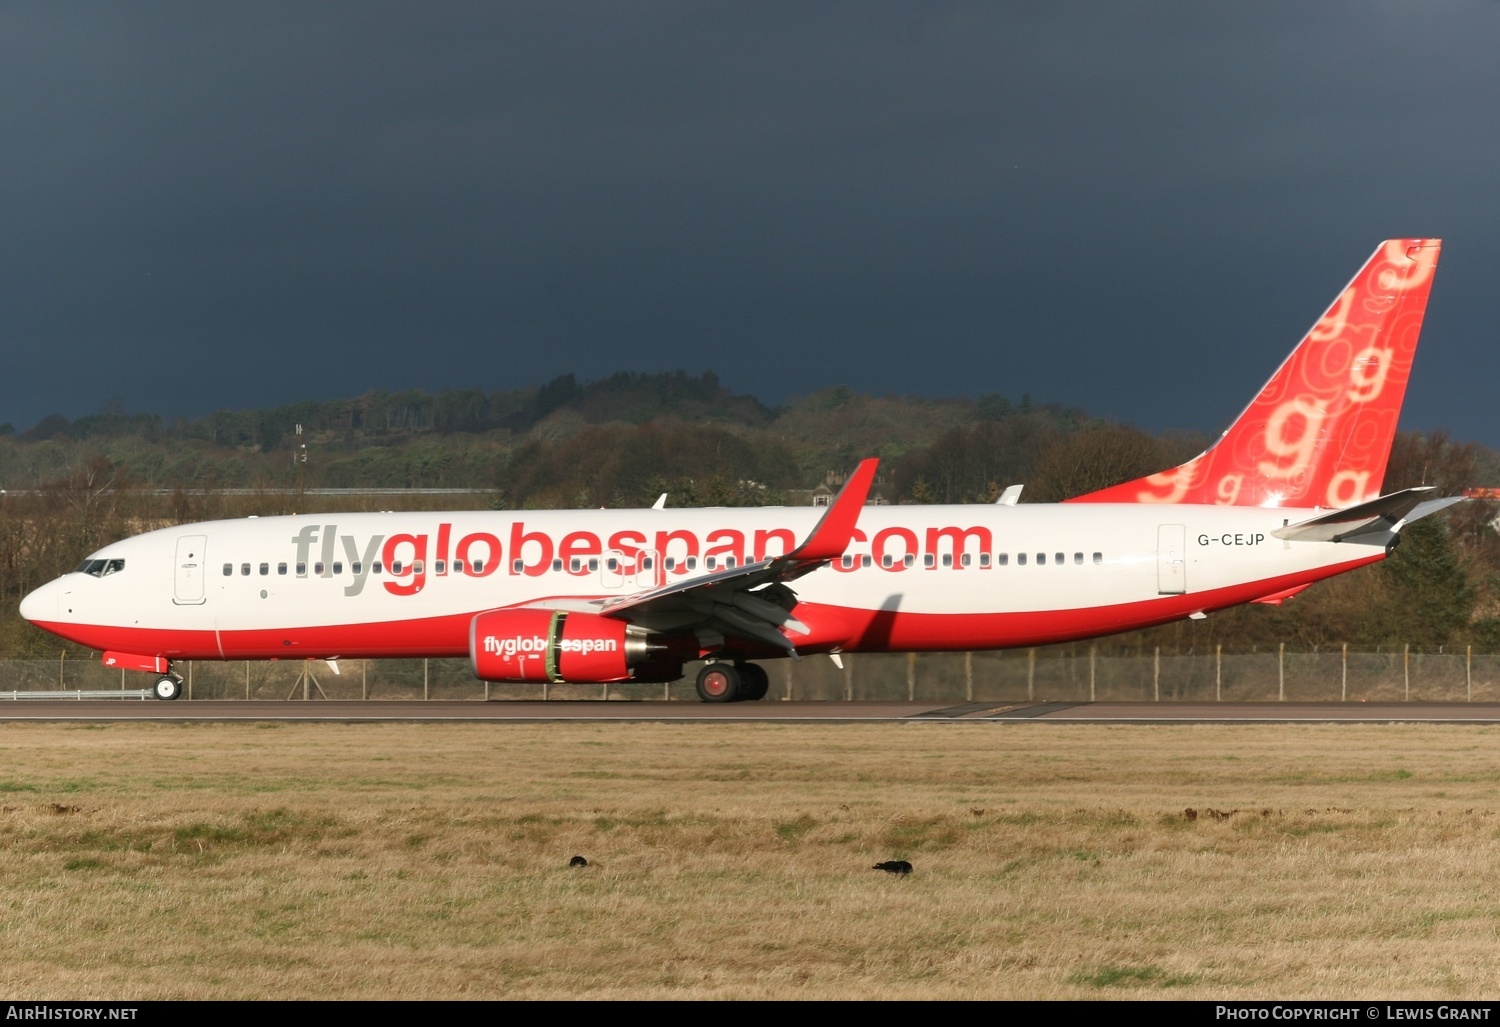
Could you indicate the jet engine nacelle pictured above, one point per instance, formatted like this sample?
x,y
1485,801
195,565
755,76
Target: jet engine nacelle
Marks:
x,y
546,645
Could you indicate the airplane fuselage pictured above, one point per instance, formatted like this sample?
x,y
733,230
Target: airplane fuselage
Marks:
x,y
361,585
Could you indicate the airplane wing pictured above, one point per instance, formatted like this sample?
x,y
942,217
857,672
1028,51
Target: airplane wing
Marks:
x,y
749,602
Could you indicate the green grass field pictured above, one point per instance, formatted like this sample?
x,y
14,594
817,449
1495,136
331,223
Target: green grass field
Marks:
x,y
421,861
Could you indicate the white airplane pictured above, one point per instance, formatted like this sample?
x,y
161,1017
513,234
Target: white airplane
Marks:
x,y
1288,495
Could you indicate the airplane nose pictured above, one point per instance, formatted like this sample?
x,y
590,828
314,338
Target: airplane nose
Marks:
x,y
41,604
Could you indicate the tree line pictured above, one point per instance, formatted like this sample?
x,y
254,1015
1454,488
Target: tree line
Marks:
x,y
73,486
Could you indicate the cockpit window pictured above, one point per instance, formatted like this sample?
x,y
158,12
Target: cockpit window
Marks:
x,y
100,568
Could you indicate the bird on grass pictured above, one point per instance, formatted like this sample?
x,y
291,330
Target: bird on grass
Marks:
x,y
893,866
578,861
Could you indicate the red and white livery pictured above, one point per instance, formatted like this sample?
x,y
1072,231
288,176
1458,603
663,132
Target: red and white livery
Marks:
x,y
1289,495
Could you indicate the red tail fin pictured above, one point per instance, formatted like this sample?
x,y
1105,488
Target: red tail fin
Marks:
x,y
1319,433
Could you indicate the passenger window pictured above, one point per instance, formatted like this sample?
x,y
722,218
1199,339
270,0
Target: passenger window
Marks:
x,y
477,565
375,567
395,566
228,569
886,560
1098,558
647,563
1041,559
909,560
265,569
338,566
318,568
301,570
281,568
984,559
928,560
355,566
245,568
670,563
1078,559
866,560
947,559
1003,559
593,563
437,566
846,561
516,566
416,566
612,564
575,565
729,562
1020,559
965,560
1059,558
692,563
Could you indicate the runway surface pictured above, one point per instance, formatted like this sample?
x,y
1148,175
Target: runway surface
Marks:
x,y
764,712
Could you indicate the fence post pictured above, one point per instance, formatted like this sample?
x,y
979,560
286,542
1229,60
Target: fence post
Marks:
x,y
364,680
1469,672
789,691
911,677
61,662
968,677
1031,675
848,677
424,680
1091,673
247,679
1156,675
1219,673
190,679
1281,673
1344,685
1406,671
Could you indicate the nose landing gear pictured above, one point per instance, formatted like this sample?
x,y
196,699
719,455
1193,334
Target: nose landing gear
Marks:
x,y
168,686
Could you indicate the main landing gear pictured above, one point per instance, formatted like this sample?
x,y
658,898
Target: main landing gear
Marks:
x,y
168,686
732,682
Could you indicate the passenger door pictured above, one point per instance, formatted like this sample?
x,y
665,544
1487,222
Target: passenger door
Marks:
x,y
190,570
1171,559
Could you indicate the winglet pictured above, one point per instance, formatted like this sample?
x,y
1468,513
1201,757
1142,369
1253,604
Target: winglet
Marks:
x,y
831,536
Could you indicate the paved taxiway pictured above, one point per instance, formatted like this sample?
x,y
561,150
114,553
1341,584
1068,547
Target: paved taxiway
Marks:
x,y
763,712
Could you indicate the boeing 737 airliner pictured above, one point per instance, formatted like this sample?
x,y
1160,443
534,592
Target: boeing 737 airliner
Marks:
x,y
1288,495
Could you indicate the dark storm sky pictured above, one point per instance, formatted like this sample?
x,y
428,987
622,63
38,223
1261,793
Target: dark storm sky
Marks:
x,y
1133,207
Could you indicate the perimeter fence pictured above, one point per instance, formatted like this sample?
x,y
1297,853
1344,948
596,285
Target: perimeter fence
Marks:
x,y
1072,673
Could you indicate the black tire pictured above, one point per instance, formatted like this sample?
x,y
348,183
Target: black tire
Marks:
x,y
756,682
167,687
719,682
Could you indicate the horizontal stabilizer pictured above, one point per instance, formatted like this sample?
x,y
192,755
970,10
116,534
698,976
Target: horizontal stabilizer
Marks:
x,y
1379,516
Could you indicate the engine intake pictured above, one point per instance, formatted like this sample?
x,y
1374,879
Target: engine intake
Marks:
x,y
547,645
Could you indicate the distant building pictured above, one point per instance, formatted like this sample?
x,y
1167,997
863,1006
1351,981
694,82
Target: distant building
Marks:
x,y
880,491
